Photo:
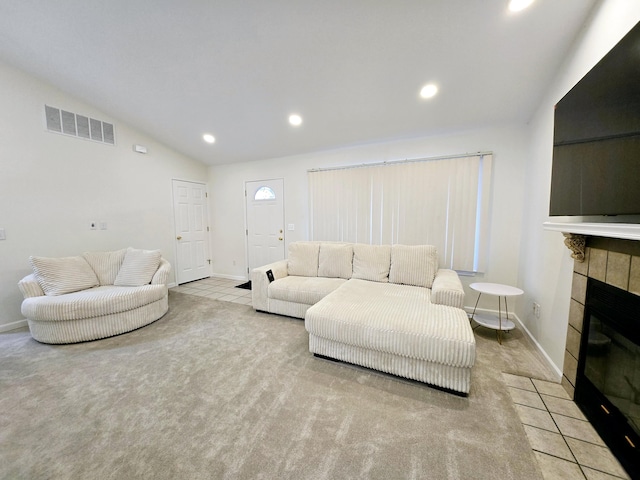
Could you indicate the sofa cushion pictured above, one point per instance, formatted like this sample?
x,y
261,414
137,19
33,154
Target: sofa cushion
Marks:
x,y
335,260
371,262
396,319
413,265
137,268
93,302
106,265
58,276
303,259
306,290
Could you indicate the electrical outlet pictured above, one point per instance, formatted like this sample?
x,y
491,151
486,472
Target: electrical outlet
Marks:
x,y
536,309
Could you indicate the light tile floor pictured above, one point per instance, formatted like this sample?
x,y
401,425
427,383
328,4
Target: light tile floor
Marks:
x,y
218,289
562,439
564,442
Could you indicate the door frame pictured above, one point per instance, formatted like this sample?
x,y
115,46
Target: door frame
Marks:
x,y
246,220
176,254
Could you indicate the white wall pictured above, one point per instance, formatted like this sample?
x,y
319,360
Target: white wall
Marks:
x,y
507,143
545,264
52,186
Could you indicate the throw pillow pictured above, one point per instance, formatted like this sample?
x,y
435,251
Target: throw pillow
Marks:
x,y
58,276
105,264
137,268
303,259
413,265
371,262
335,260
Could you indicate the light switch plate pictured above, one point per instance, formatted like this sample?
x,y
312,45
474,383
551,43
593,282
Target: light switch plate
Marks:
x,y
291,227
3,235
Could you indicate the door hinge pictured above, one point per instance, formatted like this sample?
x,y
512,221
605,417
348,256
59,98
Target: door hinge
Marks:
x,y
207,229
206,194
246,232
247,269
209,260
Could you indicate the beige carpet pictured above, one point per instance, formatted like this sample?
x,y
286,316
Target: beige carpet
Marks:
x,y
215,390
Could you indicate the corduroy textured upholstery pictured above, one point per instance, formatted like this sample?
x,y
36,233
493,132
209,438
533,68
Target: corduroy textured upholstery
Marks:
x,y
96,312
396,311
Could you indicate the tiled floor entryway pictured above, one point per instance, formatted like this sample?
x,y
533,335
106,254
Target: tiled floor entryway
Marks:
x,y
563,440
217,288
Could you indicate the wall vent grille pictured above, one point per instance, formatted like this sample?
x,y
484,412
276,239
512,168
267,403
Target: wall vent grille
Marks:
x,y
76,125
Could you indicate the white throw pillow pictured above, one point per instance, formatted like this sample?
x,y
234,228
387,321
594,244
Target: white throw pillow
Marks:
x,y
303,259
413,265
335,260
106,264
371,262
58,276
137,268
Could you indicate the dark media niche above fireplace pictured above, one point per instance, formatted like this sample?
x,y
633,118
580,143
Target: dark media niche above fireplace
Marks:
x,y
607,386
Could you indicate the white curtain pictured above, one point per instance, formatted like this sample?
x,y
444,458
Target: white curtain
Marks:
x,y
441,202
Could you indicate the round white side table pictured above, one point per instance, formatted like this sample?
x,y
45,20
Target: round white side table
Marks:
x,y
492,321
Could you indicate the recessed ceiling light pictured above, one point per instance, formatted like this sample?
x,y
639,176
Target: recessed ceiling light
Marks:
x,y
428,91
517,5
207,137
295,120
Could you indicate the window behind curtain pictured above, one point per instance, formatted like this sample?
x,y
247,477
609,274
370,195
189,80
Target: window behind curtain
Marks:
x,y
441,202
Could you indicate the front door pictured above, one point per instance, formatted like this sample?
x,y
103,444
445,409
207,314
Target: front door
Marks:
x,y
265,222
192,237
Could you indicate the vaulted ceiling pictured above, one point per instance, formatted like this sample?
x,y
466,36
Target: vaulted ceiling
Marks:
x,y
237,69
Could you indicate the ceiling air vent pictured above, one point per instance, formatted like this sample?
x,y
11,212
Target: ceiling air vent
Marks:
x,y
75,125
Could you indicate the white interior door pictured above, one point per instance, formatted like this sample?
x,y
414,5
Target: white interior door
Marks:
x,y
192,237
265,222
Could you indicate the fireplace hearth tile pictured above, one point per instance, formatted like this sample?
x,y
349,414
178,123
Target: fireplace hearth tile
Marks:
x,y
618,265
634,276
573,341
598,264
579,288
562,406
550,388
582,267
554,468
518,381
576,315
596,457
525,397
548,442
592,474
535,417
570,367
578,429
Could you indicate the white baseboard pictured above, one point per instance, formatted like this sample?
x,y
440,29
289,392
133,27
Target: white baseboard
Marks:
x,y
230,277
515,317
7,327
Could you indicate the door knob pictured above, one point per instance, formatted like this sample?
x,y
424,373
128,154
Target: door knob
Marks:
x,y
179,237
280,238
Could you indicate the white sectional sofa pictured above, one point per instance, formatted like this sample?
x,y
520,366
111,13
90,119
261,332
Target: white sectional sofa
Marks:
x,y
390,308
96,295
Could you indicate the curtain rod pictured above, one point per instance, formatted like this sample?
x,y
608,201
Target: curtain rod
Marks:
x,y
395,162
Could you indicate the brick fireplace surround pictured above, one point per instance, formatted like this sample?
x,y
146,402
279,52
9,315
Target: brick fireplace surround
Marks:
x,y
610,260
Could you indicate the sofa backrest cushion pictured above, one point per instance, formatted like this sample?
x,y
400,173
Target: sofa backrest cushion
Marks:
x,y
137,267
335,260
413,265
371,262
302,260
106,265
58,276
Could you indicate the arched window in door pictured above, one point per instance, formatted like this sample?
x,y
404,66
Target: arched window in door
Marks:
x,y
265,193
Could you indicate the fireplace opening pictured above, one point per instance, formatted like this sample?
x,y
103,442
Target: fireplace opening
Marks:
x,y
608,379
